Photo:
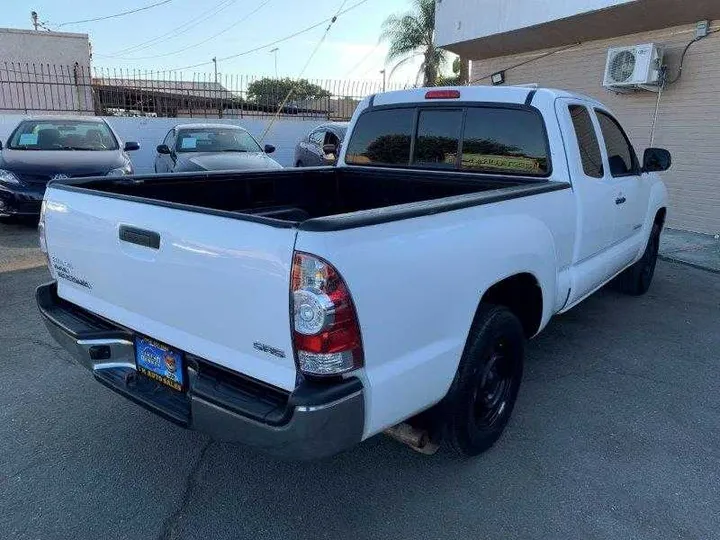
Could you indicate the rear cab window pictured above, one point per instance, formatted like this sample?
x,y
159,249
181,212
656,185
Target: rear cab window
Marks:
x,y
481,139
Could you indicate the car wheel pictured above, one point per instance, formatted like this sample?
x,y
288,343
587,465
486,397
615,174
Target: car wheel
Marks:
x,y
483,393
636,280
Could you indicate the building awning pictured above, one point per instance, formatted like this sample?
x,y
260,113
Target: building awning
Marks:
x,y
620,20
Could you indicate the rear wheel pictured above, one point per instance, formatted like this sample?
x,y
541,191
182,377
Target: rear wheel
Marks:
x,y
483,394
636,280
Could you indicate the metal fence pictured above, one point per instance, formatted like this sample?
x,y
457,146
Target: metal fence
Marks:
x,y
76,89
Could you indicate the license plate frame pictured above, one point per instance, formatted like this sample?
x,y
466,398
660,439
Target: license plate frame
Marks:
x,y
160,362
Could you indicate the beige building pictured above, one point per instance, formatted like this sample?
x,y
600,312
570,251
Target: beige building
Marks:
x,y
565,45
44,72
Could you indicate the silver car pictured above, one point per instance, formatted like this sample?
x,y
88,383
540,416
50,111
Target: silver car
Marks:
x,y
321,145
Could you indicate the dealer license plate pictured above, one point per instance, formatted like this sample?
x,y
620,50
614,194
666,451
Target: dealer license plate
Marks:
x,y
160,362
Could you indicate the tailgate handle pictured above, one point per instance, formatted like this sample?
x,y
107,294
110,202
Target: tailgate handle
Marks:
x,y
141,237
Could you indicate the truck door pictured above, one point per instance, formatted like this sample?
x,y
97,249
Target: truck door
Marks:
x,y
631,191
595,196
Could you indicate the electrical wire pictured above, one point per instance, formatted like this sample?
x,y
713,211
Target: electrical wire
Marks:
x,y
529,61
174,32
233,25
362,60
302,71
266,45
684,53
122,14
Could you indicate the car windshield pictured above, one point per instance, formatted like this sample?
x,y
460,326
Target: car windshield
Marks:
x,y
62,135
215,140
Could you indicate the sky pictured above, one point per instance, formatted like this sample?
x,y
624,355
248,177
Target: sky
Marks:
x,y
181,33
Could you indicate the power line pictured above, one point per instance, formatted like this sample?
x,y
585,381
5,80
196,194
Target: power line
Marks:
x,y
362,60
266,45
156,4
233,25
174,32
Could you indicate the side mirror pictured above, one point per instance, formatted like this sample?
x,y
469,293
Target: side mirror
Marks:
x,y
130,146
163,149
329,149
656,160
0,145
269,149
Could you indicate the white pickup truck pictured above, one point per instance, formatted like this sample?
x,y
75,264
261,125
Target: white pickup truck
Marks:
x,y
303,311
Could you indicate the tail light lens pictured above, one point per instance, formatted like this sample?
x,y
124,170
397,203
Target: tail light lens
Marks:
x,y
326,333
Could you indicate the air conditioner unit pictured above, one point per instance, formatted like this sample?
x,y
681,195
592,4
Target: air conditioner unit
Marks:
x,y
635,67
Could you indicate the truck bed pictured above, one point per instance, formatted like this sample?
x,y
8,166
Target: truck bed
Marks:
x,y
307,198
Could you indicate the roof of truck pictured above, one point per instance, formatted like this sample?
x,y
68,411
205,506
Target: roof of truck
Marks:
x,y
493,94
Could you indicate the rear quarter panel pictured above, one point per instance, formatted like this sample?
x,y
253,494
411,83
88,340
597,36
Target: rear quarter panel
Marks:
x,y
417,283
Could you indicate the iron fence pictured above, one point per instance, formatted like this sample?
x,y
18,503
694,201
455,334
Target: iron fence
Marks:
x,y
76,89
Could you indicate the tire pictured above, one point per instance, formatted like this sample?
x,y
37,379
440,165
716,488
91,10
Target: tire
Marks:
x,y
483,393
636,280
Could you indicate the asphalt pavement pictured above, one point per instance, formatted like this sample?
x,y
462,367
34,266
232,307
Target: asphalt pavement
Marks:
x,y
616,435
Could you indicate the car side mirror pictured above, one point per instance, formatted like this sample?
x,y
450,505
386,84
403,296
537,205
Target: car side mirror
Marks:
x,y
163,149
0,145
269,149
132,145
329,149
656,160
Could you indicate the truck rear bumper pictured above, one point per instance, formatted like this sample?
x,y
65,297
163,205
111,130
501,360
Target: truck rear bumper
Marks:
x,y
315,420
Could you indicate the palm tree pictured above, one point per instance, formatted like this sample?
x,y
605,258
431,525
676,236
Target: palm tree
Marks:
x,y
411,35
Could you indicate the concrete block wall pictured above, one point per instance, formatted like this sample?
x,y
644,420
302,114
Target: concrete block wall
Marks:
x,y
149,132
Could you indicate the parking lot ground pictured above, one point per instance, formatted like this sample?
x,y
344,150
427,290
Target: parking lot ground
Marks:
x,y
616,435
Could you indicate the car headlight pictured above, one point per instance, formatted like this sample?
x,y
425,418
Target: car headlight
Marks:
x,y
121,171
7,177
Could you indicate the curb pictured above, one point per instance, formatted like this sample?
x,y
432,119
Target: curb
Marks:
x,y
692,265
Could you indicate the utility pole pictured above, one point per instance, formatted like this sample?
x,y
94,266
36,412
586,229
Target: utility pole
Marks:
x,y
214,59
34,18
220,109
383,74
275,51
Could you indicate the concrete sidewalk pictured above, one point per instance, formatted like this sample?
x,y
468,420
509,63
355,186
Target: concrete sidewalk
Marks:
x,y
694,249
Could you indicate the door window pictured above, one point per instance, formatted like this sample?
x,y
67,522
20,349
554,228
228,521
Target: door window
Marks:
x,y
170,138
621,156
587,141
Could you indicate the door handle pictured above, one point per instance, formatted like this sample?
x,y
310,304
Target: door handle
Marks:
x,y
620,200
149,239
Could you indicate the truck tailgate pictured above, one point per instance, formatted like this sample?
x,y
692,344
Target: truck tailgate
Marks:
x,y
212,286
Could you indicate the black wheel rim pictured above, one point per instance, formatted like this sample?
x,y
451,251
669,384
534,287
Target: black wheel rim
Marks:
x,y
494,388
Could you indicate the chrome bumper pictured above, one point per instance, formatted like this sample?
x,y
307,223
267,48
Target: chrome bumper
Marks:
x,y
315,420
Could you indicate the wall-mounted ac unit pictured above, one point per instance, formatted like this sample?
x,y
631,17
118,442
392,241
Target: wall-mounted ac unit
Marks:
x,y
634,67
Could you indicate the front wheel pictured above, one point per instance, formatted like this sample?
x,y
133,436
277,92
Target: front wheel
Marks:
x,y
636,280
483,393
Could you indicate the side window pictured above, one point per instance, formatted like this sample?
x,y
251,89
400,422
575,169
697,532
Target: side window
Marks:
x,y
170,138
438,136
316,137
587,141
621,157
382,137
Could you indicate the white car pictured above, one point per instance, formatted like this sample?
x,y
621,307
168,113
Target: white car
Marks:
x,y
303,311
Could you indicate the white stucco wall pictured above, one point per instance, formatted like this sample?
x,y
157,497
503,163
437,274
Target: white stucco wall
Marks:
x,y
149,132
454,22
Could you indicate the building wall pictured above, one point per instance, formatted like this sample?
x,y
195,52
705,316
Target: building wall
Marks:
x,y
150,132
452,23
44,70
688,121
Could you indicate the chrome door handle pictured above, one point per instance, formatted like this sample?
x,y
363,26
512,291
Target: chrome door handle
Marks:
x,y
620,200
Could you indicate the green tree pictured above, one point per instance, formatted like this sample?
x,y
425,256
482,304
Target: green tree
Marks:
x,y
410,35
270,91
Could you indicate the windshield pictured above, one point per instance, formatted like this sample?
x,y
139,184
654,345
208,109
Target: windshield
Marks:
x,y
215,140
62,135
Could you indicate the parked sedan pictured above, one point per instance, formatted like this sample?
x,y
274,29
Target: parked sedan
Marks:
x,y
41,149
321,145
211,147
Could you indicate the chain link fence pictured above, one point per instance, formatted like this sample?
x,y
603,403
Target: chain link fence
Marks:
x,y
75,89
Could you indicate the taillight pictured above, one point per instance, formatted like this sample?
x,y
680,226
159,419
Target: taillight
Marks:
x,y
326,333
42,238
442,94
